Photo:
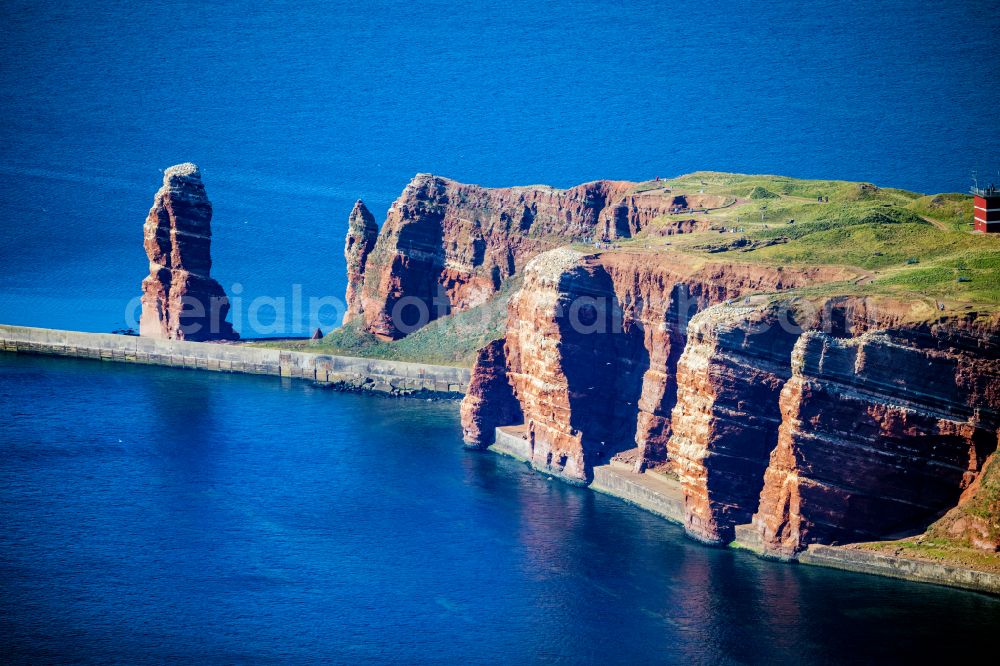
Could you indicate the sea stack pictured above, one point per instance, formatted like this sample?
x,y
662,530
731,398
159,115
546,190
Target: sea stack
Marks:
x,y
180,300
362,232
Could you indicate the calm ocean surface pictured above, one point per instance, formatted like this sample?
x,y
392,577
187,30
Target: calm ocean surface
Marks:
x,y
295,109
156,514
149,515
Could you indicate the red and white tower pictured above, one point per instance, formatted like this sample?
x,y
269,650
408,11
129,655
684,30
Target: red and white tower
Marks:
x,y
986,209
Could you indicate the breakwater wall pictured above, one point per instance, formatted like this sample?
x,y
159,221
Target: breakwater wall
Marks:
x,y
881,564
511,441
391,377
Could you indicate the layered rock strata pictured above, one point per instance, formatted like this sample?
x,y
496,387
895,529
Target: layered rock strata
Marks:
x,y
362,231
661,293
726,417
571,363
836,419
880,435
592,347
820,421
180,300
446,246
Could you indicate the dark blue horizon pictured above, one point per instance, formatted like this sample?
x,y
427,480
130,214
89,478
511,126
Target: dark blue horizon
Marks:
x,y
294,110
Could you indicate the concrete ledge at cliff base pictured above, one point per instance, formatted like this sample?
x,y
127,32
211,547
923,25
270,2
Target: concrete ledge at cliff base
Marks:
x,y
512,441
346,372
894,566
652,492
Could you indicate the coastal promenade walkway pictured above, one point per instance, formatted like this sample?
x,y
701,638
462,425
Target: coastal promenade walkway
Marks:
x,y
391,377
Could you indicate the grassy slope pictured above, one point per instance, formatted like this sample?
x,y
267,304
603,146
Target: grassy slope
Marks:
x,y
452,340
915,246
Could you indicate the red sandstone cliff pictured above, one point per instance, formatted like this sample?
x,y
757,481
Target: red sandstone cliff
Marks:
x,y
490,401
726,417
824,420
362,231
880,434
593,342
565,379
446,246
661,293
833,420
180,300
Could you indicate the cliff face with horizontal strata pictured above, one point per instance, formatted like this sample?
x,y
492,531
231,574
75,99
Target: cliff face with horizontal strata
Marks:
x,y
726,417
593,342
833,423
569,363
659,295
838,419
447,246
180,300
879,435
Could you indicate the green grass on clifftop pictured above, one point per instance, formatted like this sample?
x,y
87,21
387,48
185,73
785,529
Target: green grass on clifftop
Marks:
x,y
902,244
910,245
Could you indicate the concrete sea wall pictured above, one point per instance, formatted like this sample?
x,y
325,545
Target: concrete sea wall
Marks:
x,y
662,496
853,559
654,493
511,441
392,377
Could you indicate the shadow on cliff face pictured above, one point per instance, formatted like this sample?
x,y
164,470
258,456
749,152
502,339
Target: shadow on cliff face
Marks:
x,y
418,298
938,489
600,349
683,303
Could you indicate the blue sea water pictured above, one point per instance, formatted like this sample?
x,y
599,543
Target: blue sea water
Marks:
x,y
295,109
154,515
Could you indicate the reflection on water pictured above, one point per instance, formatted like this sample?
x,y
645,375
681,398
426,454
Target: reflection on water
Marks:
x,y
153,514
